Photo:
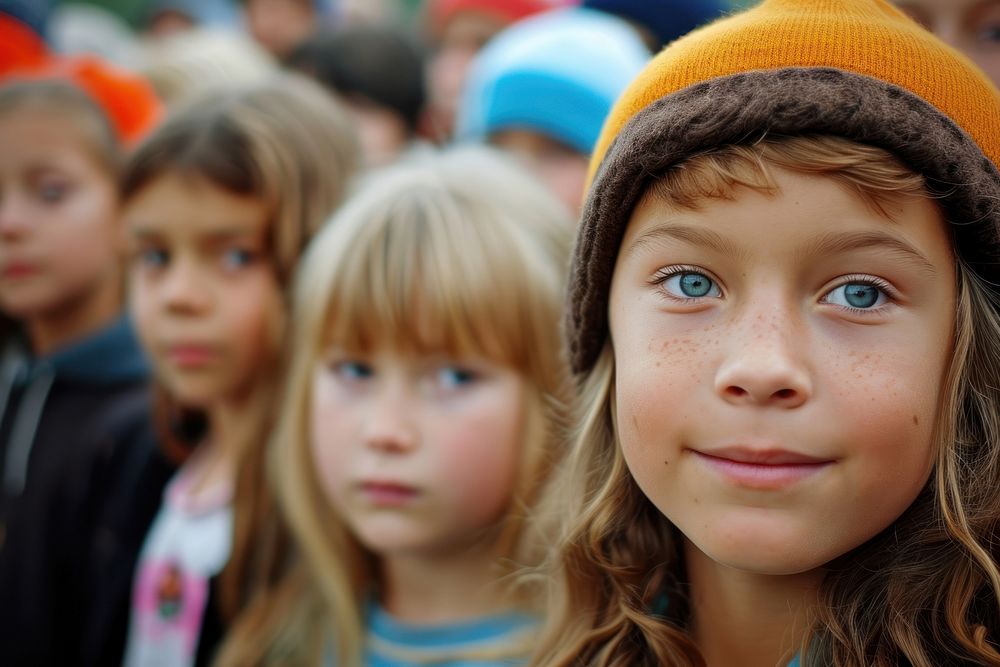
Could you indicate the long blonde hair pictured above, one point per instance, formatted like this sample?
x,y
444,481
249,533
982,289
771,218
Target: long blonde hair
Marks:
x,y
289,144
461,253
925,592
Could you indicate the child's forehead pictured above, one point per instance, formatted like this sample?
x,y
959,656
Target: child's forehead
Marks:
x,y
38,130
806,217
178,204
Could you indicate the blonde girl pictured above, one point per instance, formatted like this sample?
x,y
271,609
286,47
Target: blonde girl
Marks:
x,y
419,420
219,203
784,323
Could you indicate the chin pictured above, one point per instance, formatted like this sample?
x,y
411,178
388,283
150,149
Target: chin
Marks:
x,y
776,552
26,308
392,545
198,398
769,563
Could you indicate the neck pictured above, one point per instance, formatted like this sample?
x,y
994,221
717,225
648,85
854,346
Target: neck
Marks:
x,y
443,588
741,618
216,457
85,315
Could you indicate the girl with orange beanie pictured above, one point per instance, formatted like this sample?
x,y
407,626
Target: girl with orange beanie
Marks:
x,y
784,325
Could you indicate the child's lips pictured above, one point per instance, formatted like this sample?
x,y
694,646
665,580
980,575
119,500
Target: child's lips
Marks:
x,y
18,270
190,355
765,469
387,493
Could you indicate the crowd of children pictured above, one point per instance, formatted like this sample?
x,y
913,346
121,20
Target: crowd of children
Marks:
x,y
556,333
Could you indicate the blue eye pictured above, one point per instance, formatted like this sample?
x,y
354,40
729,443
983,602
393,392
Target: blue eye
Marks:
x,y
354,371
857,295
989,34
452,377
237,258
154,258
52,193
691,285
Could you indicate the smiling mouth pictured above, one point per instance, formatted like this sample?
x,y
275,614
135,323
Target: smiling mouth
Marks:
x,y
762,469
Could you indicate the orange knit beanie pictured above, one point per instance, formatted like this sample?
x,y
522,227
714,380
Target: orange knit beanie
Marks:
x,y
128,100
857,69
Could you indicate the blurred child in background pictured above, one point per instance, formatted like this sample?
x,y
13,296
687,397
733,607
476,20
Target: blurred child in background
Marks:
x,y
168,18
456,31
192,63
543,87
420,417
73,381
378,73
971,26
219,203
660,22
281,25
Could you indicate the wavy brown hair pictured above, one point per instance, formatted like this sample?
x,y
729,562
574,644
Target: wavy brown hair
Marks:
x,y
924,592
289,144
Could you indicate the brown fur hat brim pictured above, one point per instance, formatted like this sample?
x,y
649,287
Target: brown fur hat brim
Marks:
x,y
743,108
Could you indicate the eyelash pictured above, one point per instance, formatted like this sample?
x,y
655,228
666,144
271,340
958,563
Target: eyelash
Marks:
x,y
891,295
668,272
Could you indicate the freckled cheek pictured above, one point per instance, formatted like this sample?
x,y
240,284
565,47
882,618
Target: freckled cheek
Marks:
x,y
889,405
656,382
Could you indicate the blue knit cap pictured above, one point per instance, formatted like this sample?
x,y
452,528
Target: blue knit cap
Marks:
x,y
666,19
557,74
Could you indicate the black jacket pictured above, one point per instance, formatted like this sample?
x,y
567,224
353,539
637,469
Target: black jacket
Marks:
x,y
81,478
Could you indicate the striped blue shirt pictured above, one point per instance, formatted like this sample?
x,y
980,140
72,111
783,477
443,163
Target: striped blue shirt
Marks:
x,y
497,641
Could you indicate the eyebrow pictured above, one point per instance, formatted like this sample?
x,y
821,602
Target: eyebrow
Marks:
x,y
221,235
834,243
706,238
829,244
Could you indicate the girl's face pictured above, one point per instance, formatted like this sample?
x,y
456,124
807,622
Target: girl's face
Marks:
x,y
280,25
203,290
418,454
971,26
561,169
778,367
58,216
464,35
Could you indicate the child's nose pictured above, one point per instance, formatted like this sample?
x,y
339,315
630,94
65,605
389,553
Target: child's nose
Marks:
x,y
14,221
766,365
185,291
389,426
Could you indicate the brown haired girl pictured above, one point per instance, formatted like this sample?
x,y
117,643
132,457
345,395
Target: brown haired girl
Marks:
x,y
219,204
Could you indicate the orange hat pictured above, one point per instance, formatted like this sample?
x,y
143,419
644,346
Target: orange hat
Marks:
x,y
128,100
867,37
20,47
857,69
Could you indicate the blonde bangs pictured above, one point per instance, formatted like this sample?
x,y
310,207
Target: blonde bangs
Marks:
x,y
428,273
